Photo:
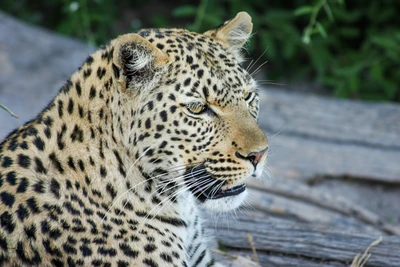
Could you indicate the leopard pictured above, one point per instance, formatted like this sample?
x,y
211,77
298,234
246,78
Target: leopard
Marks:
x,y
152,131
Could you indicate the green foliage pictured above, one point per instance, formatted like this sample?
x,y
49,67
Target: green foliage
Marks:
x,y
89,20
351,47
85,19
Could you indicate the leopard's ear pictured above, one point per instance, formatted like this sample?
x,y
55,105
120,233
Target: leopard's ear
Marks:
x,y
138,62
233,33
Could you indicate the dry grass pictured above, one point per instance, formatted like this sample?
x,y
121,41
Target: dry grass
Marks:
x,y
360,260
239,261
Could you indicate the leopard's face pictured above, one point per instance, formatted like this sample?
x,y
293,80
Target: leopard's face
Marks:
x,y
198,128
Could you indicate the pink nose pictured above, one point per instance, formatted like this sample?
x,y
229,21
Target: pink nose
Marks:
x,y
253,157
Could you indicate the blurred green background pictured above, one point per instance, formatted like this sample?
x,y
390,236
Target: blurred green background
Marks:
x,y
349,49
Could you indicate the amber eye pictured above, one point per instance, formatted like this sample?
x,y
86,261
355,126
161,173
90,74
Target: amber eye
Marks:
x,y
248,96
196,108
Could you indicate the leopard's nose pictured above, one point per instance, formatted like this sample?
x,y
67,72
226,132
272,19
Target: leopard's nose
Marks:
x,y
254,157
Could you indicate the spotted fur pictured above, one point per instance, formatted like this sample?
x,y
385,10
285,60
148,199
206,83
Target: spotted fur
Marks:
x,y
113,172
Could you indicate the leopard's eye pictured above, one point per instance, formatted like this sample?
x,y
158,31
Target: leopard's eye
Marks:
x,y
196,108
248,96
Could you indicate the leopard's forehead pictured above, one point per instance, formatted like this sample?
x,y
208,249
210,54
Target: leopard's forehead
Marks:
x,y
202,66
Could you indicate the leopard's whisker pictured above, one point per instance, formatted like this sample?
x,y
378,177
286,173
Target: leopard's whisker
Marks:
x,y
168,200
249,66
267,171
136,160
124,193
217,188
165,183
248,69
258,68
173,180
172,169
204,186
247,206
175,168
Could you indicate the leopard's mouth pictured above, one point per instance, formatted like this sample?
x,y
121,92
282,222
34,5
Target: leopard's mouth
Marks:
x,y
233,191
204,186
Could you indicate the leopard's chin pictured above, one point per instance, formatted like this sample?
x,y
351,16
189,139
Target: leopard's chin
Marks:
x,y
225,204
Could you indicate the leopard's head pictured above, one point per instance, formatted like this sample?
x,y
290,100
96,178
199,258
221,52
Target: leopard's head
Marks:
x,y
194,118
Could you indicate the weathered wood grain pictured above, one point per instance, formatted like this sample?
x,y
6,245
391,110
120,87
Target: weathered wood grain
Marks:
x,y
34,64
296,244
323,136
291,198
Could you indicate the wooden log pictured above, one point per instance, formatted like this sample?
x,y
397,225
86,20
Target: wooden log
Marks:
x,y
317,136
296,244
27,81
310,205
272,259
